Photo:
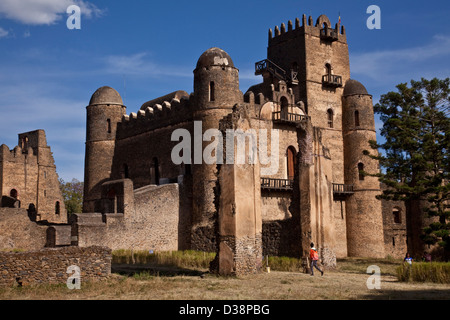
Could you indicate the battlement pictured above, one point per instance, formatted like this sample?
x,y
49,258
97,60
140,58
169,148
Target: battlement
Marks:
x,y
17,154
321,29
155,116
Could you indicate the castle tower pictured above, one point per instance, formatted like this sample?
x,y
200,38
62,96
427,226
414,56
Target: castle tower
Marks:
x,y
313,59
364,213
104,111
216,91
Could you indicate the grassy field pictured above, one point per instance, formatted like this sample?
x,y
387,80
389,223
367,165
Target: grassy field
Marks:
x,y
164,281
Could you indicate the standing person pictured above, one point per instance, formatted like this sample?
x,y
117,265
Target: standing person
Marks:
x,y
314,256
408,258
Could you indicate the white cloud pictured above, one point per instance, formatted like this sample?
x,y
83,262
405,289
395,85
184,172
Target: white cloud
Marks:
x,y
405,63
3,32
137,64
44,12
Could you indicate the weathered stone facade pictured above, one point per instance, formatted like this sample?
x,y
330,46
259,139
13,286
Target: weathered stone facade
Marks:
x,y
306,116
51,265
28,178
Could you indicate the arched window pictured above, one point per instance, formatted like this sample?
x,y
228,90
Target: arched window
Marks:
x,y
57,207
108,123
291,155
284,107
328,69
397,215
13,193
360,171
212,92
330,118
356,118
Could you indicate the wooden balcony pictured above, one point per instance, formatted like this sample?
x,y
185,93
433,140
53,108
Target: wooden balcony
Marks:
x,y
331,80
286,117
277,184
341,191
328,34
268,66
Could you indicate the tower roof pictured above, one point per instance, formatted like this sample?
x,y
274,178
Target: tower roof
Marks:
x,y
353,87
214,57
106,95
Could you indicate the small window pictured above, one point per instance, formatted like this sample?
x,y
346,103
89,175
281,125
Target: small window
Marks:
x,y
212,91
361,171
126,174
108,123
396,213
330,118
356,118
57,207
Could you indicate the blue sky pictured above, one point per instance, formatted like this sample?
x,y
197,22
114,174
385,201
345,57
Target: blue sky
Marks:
x,y
146,49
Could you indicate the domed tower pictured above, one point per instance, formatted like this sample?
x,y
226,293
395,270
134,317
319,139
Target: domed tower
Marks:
x,y
363,211
216,91
104,111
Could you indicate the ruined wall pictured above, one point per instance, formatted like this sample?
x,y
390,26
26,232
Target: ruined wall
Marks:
x,y
148,218
30,170
19,232
395,240
50,265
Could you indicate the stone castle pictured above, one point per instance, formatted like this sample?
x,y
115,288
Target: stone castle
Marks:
x,y
317,122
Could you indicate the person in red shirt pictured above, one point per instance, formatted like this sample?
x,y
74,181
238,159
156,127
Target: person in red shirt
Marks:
x,y
314,256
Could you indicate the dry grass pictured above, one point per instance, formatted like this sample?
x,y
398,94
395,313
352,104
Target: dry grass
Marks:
x,y
138,282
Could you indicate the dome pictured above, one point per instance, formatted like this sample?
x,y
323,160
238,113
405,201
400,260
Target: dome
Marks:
x,y
106,95
214,57
353,87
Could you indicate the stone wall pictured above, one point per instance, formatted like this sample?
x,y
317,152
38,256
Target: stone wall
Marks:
x,y
19,232
50,265
147,218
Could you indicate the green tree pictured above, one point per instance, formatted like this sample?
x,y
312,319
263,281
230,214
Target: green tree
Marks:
x,y
73,195
414,157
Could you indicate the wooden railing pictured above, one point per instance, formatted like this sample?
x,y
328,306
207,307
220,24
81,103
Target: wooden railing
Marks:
x,y
332,80
342,189
276,184
277,71
288,117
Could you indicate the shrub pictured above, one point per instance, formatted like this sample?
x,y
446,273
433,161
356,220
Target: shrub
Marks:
x,y
438,272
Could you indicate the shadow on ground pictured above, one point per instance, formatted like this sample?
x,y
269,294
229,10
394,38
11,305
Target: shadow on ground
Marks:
x,y
155,270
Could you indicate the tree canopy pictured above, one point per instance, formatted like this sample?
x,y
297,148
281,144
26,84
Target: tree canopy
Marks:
x,y
73,195
414,157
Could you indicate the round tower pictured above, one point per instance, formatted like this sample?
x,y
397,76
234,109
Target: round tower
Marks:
x,y
104,111
216,91
363,211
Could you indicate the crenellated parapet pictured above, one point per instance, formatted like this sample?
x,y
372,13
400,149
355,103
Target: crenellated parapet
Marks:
x,y
17,154
322,29
155,116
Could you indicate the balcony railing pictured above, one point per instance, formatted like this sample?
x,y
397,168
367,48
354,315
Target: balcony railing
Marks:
x,y
342,190
332,80
277,184
328,34
280,116
267,65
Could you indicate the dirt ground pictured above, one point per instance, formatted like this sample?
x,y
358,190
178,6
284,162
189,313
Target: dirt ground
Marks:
x,y
348,282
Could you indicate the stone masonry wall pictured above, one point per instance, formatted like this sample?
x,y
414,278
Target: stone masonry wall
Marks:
x,y
50,265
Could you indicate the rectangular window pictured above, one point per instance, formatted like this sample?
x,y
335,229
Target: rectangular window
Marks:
x,y
212,91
